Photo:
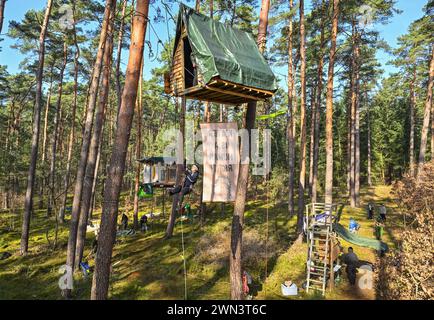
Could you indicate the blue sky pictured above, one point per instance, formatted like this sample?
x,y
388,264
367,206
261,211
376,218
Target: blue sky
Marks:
x,y
15,10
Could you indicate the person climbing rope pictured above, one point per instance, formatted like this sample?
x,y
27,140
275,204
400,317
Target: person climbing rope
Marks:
x,y
191,177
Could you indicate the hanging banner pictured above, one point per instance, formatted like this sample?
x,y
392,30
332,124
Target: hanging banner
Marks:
x,y
221,160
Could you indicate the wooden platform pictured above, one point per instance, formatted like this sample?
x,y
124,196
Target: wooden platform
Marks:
x,y
225,92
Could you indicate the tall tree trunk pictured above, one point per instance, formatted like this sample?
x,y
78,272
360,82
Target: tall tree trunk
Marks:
x,y
42,178
318,105
357,137
47,111
412,108
235,256
369,140
312,138
55,133
357,124
95,176
119,55
138,152
426,116
115,172
432,131
28,202
352,120
74,111
179,170
2,13
86,200
302,177
87,132
197,7
329,107
290,121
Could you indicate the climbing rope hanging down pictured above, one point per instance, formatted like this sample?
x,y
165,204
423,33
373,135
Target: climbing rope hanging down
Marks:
x,y
183,258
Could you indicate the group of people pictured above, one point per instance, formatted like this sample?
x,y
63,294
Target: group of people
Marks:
x,y
143,222
191,177
381,210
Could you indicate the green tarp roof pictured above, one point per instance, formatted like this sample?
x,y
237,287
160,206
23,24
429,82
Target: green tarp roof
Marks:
x,y
221,50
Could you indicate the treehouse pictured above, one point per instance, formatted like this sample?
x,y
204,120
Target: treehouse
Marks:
x,y
159,171
216,63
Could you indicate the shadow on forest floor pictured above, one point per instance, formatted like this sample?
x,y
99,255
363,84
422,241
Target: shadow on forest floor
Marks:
x,y
147,267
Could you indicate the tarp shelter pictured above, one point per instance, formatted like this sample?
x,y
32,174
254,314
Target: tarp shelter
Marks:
x,y
359,240
217,63
160,171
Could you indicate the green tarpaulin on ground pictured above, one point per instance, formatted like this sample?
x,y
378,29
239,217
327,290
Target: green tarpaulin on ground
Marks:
x,y
345,234
220,50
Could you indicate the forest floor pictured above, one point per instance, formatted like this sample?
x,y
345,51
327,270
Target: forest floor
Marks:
x,y
147,267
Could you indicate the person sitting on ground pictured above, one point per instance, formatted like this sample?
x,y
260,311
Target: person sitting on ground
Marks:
x,y
144,223
352,262
370,211
191,178
383,212
353,226
124,222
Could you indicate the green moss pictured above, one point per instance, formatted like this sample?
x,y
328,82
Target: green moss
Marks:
x,y
147,267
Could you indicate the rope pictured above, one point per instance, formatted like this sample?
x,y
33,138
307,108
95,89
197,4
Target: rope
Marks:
x,y
183,257
267,234
267,200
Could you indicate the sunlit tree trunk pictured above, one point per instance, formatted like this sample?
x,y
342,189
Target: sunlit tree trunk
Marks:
x,y
55,133
87,134
2,12
116,168
412,108
369,155
290,124
357,124
42,178
138,152
119,55
318,102
352,120
47,111
312,139
86,200
426,115
73,118
302,177
179,169
235,256
329,107
28,202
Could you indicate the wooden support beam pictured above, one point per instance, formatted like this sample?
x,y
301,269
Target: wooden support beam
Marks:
x,y
232,93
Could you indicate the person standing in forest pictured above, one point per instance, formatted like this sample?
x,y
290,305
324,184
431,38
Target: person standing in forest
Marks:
x,y
370,211
383,212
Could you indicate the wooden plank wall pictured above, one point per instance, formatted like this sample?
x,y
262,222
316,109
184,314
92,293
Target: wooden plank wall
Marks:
x,y
177,76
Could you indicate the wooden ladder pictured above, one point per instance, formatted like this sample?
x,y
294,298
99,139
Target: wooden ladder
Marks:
x,y
318,257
